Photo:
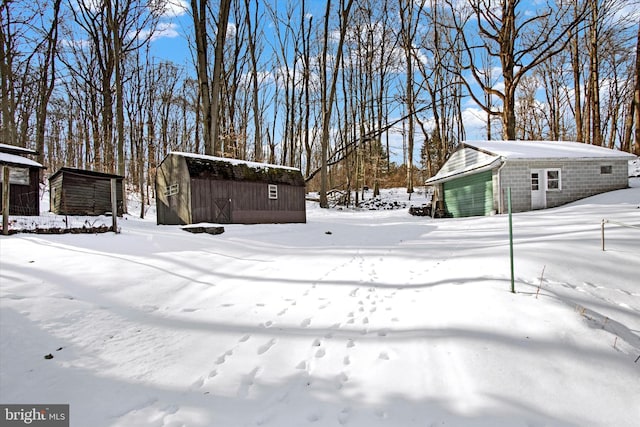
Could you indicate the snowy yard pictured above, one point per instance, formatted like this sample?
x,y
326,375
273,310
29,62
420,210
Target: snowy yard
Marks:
x,y
357,318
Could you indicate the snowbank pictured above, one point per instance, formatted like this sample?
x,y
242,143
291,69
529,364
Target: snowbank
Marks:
x,y
357,318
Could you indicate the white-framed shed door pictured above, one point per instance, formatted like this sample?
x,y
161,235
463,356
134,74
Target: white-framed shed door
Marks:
x,y
538,192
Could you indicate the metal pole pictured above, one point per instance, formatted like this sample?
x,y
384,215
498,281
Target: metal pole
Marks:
x,y
114,205
5,200
602,233
513,289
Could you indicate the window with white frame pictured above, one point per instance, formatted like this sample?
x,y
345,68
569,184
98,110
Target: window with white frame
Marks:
x,y
171,190
273,191
535,181
554,180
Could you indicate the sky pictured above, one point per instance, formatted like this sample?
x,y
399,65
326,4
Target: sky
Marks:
x,y
172,42
175,30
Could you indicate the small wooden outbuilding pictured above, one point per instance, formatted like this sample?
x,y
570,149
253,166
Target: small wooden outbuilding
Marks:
x,y
24,180
541,174
83,192
195,188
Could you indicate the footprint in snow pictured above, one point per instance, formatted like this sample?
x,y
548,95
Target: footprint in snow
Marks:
x,y
198,383
223,358
342,377
266,346
247,382
343,416
312,418
306,322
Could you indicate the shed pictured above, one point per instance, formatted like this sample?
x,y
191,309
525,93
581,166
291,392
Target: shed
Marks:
x,y
194,188
83,192
24,180
541,174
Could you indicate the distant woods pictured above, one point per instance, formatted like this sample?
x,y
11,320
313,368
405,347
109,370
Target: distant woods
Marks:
x,y
356,93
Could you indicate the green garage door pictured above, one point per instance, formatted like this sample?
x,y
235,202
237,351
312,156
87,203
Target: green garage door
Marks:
x,y
470,195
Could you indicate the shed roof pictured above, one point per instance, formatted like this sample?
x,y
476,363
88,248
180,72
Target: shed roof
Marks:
x,y
477,156
239,170
84,172
14,149
19,161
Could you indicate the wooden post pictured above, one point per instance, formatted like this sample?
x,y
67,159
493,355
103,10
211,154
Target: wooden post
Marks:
x,y
5,200
114,205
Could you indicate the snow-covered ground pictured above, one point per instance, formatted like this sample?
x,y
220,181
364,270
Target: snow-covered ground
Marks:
x,y
357,318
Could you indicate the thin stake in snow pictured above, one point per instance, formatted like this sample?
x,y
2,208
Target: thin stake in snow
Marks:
x,y
622,224
513,289
540,285
5,200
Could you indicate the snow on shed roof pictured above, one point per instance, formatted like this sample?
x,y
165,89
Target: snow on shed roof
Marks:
x,y
546,150
15,160
254,165
14,149
220,168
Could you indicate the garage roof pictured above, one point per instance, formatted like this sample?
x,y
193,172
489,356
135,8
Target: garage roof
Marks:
x,y
472,157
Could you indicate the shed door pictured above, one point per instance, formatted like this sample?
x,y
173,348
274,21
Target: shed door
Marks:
x,y
470,195
211,201
538,193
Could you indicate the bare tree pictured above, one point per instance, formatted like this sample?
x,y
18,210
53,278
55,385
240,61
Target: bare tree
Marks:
x,y
520,42
252,36
408,29
328,88
633,114
28,48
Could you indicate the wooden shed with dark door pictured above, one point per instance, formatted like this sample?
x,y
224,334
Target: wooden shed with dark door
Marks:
x,y
83,192
24,180
193,188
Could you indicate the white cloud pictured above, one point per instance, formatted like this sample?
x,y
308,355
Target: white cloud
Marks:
x,y
174,8
164,30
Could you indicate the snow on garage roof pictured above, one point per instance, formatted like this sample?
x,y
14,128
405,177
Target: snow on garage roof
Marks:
x,y
545,149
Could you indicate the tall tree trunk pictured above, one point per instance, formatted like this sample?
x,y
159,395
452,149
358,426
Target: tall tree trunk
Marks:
x,y
636,99
507,60
8,132
223,19
594,75
46,83
634,108
257,119
328,99
577,73
199,14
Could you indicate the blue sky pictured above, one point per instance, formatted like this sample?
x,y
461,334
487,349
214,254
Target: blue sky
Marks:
x,y
171,43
